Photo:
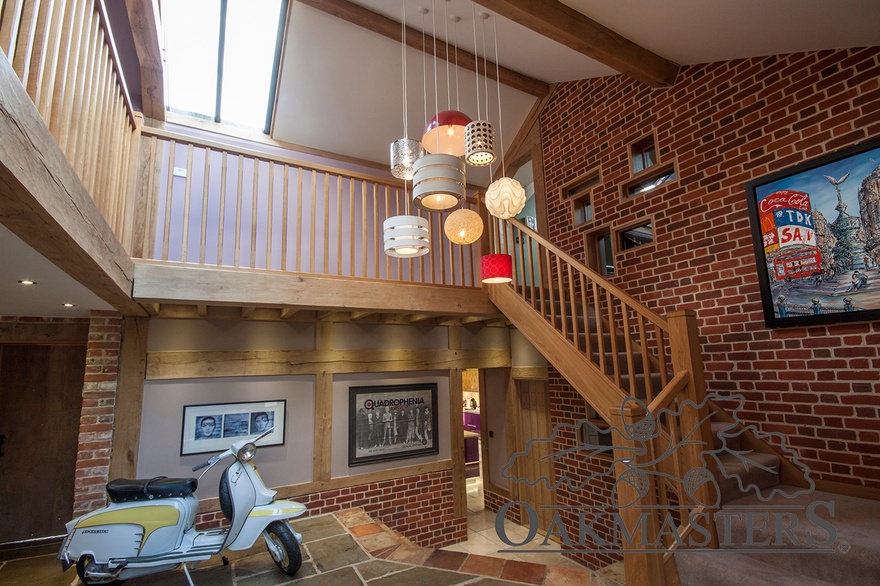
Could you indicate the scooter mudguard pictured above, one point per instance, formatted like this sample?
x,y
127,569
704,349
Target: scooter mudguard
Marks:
x,y
260,517
129,530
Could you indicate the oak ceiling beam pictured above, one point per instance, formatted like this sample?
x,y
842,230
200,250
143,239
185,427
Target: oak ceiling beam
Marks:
x,y
565,25
390,28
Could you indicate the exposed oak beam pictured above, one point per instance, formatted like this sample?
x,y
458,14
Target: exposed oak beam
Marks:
x,y
390,28
143,16
566,25
44,203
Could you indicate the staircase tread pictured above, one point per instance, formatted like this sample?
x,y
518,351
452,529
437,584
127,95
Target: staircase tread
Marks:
x,y
720,568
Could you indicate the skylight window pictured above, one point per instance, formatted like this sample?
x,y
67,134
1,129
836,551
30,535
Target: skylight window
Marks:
x,y
222,59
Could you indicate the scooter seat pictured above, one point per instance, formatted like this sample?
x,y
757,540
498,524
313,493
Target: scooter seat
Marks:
x,y
123,490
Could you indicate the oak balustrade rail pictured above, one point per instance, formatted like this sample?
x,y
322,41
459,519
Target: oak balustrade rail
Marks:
x,y
645,356
216,204
63,53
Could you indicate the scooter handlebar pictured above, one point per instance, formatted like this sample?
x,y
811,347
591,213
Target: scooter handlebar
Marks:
x,y
200,466
210,461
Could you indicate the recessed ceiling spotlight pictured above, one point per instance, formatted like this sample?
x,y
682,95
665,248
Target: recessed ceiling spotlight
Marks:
x,y
68,305
27,282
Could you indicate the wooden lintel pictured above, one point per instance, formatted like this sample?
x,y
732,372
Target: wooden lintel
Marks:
x,y
474,319
390,28
416,318
288,312
565,25
172,365
45,333
157,282
247,311
359,315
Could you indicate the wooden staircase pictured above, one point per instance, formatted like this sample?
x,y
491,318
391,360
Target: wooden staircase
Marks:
x,y
610,348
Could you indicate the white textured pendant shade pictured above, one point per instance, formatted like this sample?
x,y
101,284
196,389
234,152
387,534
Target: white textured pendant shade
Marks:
x,y
438,183
479,143
505,198
404,154
406,236
463,226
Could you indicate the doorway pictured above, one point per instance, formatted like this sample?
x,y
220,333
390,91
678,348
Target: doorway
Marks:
x,y
534,463
40,405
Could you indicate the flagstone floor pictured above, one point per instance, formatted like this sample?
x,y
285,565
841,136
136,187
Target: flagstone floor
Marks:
x,y
343,549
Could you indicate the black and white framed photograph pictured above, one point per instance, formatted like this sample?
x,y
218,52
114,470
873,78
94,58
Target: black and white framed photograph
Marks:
x,y
211,428
391,422
816,234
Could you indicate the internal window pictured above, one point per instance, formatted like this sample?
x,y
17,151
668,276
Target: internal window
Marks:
x,y
581,197
222,59
643,154
636,236
654,180
600,252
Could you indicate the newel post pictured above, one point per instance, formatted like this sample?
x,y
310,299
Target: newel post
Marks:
x,y
685,345
636,499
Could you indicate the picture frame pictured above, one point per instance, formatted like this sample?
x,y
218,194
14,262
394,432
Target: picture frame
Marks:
x,y
816,236
390,422
214,427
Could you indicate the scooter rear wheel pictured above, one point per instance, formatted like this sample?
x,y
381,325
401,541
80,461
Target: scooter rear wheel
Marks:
x,y
81,565
281,536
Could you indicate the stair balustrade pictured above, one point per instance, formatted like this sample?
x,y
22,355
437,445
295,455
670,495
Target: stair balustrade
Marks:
x,y
612,349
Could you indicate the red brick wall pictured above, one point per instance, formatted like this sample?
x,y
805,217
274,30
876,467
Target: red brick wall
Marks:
x,y
418,507
96,420
725,124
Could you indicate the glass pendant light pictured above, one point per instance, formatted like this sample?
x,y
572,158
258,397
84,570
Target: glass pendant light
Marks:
x,y
404,151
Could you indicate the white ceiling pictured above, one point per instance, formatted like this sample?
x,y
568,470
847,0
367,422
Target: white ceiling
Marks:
x,y
341,85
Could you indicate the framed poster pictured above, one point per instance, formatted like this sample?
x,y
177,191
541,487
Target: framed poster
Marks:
x,y
816,234
391,422
213,428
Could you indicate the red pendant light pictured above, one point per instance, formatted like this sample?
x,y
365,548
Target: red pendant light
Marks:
x,y
445,133
496,268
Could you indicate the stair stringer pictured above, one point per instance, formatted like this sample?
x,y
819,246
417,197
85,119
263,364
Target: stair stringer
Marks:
x,y
586,378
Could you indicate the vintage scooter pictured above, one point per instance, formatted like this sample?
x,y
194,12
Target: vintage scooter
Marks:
x,y
148,525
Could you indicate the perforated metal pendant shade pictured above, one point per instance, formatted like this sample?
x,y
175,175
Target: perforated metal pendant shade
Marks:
x,y
404,153
479,143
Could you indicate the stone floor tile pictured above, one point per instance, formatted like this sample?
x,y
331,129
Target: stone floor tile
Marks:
x,y
480,521
523,572
411,554
342,577
385,552
335,552
255,564
482,565
447,560
315,528
218,575
366,529
419,576
379,541
557,576
378,568
352,517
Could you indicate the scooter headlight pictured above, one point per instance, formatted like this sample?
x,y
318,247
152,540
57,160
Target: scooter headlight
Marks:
x,y
247,452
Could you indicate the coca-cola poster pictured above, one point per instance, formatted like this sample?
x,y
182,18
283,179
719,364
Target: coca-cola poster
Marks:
x,y
816,234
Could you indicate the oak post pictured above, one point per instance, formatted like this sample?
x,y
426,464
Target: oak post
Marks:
x,y
637,501
685,348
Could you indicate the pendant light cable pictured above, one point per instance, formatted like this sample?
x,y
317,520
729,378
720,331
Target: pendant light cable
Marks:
x,y
498,84
476,60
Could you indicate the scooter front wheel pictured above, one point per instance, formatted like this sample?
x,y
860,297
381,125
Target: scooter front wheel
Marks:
x,y
283,547
83,564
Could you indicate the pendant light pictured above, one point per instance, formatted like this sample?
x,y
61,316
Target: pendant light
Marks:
x,y
480,134
406,236
439,177
496,268
505,197
404,151
463,226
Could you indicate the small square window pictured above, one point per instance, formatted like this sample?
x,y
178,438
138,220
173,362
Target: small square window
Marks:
x,y
654,179
636,236
643,154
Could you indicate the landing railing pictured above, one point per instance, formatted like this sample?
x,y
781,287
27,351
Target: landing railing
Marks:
x,y
63,53
223,205
645,356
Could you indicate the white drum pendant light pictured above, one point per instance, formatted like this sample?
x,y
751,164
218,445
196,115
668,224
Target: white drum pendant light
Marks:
x,y
406,236
438,183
